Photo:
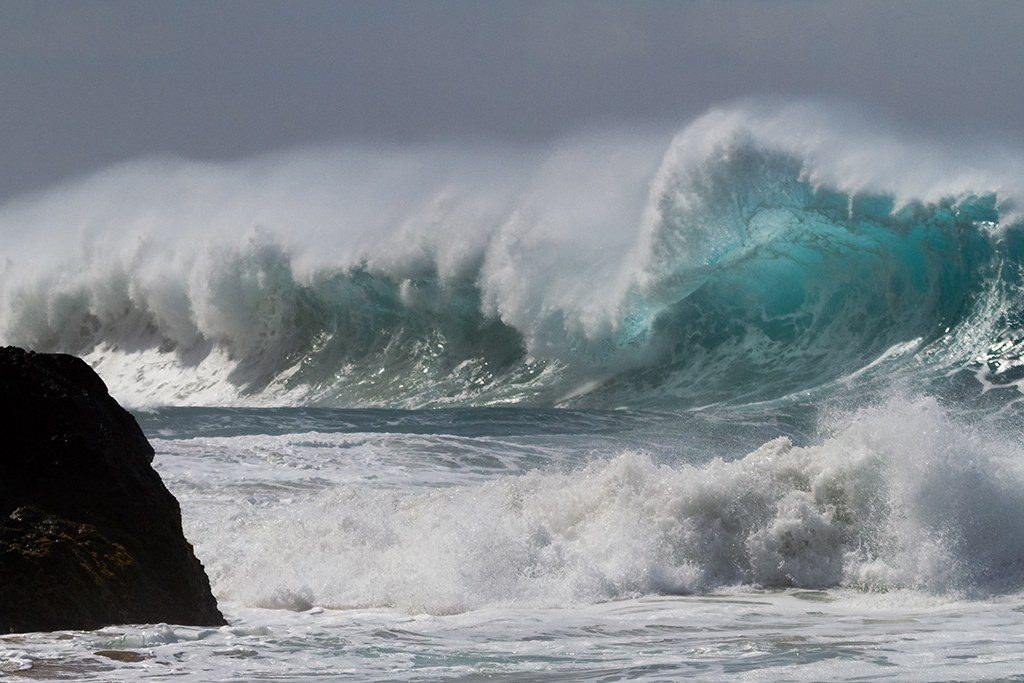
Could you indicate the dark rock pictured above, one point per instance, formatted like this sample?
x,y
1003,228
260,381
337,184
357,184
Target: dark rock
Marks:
x,y
89,534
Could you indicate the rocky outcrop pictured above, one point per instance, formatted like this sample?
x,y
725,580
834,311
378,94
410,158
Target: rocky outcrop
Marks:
x,y
89,534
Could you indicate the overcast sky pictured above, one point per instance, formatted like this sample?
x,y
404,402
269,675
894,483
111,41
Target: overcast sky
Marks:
x,y
84,83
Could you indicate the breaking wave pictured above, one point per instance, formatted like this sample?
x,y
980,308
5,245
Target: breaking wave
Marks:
x,y
899,498
760,253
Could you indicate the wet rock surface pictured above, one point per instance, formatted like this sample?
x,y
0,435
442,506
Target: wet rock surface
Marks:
x,y
89,534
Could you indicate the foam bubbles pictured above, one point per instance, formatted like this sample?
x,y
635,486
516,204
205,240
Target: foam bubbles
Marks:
x,y
901,497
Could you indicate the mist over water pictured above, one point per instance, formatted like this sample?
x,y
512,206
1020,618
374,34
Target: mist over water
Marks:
x,y
762,251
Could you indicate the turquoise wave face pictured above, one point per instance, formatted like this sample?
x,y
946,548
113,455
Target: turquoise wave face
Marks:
x,y
813,285
743,277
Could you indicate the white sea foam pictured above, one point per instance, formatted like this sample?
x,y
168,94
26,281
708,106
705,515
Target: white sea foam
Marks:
x,y
899,498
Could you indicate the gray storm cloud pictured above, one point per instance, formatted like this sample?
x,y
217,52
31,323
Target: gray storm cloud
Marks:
x,y
89,84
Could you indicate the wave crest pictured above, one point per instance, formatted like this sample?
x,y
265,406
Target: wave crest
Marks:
x,y
754,258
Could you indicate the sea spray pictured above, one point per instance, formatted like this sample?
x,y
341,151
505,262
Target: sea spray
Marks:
x,y
761,253
900,498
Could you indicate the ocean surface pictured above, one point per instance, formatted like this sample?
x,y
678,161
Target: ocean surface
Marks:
x,y
741,401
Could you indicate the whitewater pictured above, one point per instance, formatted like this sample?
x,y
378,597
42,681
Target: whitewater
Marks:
x,y
737,402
